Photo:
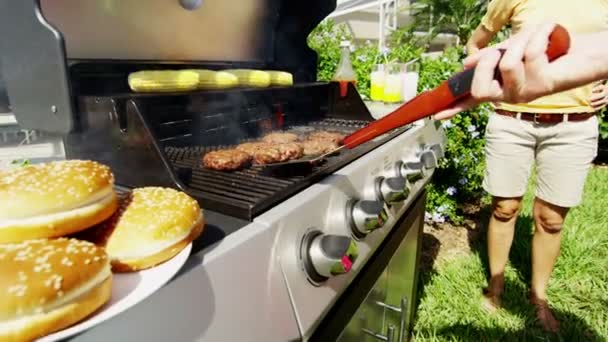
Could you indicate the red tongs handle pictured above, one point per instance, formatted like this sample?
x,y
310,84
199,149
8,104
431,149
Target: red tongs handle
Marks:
x,y
445,95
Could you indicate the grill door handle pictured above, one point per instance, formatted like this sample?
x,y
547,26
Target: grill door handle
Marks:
x,y
389,334
402,311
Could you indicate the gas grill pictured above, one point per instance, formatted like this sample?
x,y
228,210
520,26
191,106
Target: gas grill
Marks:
x,y
330,254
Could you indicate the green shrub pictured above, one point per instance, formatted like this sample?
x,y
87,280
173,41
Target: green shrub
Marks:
x,y
458,178
603,118
459,17
402,46
325,41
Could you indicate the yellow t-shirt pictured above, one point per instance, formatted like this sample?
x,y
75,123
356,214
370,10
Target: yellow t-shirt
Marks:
x,y
577,16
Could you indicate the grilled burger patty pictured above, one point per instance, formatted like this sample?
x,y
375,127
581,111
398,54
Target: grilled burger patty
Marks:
x,y
252,147
226,160
312,147
290,151
335,137
273,148
265,153
280,138
278,153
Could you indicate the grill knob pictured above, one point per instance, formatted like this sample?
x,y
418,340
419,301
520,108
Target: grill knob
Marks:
x,y
393,190
328,255
366,216
438,149
411,170
429,159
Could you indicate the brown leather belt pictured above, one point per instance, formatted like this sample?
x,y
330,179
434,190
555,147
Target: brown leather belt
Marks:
x,y
545,117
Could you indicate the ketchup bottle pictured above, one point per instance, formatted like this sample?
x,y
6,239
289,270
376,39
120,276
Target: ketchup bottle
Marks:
x,y
345,73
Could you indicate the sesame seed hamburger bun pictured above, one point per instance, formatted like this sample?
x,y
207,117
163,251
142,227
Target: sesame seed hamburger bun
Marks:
x,y
152,225
54,199
49,285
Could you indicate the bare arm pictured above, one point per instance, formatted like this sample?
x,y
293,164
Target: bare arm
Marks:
x,y
585,63
480,39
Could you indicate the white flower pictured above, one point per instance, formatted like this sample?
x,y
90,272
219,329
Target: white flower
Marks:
x,y
438,218
463,181
447,124
451,191
474,134
427,216
472,128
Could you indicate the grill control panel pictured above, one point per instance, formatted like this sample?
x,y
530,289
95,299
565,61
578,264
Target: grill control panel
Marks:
x,y
353,211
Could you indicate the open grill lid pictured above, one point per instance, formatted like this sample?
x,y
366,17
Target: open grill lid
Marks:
x,y
65,76
52,50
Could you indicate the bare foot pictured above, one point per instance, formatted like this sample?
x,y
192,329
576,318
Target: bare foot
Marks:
x,y
544,315
490,301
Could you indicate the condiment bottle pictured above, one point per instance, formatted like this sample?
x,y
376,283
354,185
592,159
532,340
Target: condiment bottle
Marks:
x,y
345,73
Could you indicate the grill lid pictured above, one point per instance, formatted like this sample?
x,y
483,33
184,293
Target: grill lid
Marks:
x,y
47,45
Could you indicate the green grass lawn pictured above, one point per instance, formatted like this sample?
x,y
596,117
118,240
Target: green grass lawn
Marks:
x,y
449,294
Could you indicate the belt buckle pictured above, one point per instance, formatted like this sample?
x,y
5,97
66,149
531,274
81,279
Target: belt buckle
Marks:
x,y
535,118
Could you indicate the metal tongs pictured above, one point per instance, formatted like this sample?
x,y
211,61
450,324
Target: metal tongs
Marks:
x,y
455,89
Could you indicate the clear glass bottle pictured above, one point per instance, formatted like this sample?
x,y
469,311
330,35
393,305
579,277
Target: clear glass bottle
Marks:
x,y
377,80
345,73
410,74
393,84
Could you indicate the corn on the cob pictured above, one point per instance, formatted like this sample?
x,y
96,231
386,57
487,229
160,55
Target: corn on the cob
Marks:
x,y
210,79
250,77
163,80
280,78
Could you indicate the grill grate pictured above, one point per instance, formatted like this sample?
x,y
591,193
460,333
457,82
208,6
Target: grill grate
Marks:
x,y
247,193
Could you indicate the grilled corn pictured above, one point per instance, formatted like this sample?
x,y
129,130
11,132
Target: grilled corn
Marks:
x,y
280,78
250,77
163,80
210,79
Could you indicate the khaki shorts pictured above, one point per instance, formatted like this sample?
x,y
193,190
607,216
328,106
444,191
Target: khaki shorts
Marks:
x,y
563,154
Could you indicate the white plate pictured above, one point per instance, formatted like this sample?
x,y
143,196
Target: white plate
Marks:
x,y
128,289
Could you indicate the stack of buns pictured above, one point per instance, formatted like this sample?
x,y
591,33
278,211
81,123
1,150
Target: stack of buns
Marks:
x,y
64,232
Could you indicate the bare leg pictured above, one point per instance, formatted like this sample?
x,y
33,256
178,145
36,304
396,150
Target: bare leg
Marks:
x,y
548,221
501,229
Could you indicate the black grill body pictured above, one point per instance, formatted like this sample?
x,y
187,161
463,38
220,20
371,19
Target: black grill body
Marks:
x,y
161,139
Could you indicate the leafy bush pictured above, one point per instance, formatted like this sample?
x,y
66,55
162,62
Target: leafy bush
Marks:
x,y
325,41
604,124
458,177
402,46
459,17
